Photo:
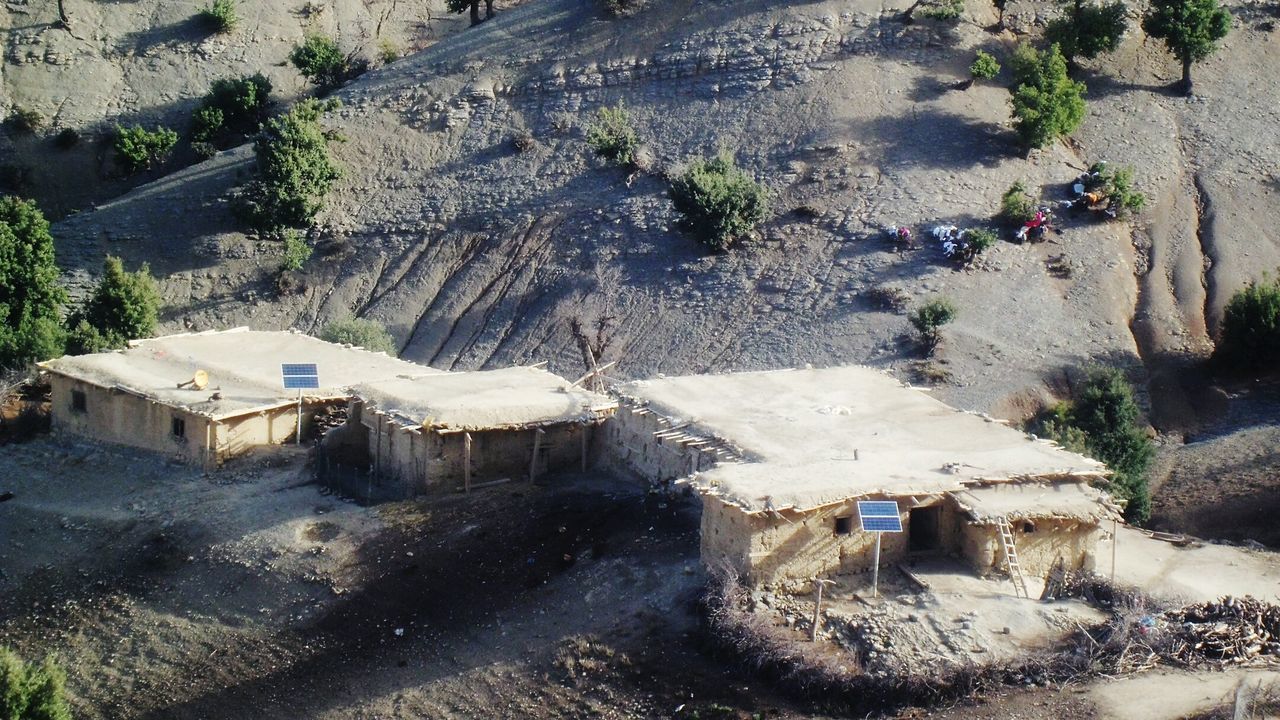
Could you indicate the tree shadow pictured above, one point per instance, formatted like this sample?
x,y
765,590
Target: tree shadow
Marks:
x,y
189,31
1099,85
937,140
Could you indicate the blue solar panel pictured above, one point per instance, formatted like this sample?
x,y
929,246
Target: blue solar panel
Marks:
x,y
292,369
882,524
301,382
877,508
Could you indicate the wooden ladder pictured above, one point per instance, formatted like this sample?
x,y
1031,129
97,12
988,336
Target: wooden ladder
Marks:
x,y
1011,558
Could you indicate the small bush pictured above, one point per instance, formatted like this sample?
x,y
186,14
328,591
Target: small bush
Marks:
x,y
1047,104
1016,205
220,16
1121,197
1250,336
367,334
943,10
140,148
928,320
232,107
294,170
296,251
523,141
320,61
388,52
1088,30
612,137
32,692
66,138
25,120
980,240
718,202
623,8
984,66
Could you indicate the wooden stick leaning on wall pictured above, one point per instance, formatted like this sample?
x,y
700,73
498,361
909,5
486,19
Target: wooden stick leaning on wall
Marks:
x,y
466,462
533,462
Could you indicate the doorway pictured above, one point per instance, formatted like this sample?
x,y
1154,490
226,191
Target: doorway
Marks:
x,y
923,533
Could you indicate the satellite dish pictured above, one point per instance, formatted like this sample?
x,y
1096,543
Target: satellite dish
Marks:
x,y
199,381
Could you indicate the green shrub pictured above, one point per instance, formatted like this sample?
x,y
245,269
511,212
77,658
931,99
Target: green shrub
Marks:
x,y
984,66
66,138
1016,205
232,107
320,61
367,334
718,202
928,320
1046,103
1190,29
1250,335
1088,30
943,10
32,692
220,16
296,251
25,120
1118,187
979,240
388,52
124,306
140,148
30,297
294,170
612,137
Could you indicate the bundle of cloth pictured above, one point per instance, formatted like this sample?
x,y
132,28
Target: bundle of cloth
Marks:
x,y
1088,191
1034,229
954,244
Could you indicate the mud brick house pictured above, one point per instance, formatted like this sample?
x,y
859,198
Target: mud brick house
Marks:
x,y
458,430
781,459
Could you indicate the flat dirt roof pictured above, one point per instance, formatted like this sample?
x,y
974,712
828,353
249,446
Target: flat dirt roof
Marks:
x,y
1036,500
243,367
485,399
814,437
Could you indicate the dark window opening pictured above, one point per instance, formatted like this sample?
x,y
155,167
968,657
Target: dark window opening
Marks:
x,y
923,533
179,428
844,525
78,402
1028,527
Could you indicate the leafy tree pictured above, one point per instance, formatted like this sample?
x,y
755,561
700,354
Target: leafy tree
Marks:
x,y
1088,30
717,201
928,320
320,61
1250,336
1106,413
1190,29
32,692
1046,103
30,297
367,334
140,148
220,16
984,66
232,106
612,137
125,306
294,171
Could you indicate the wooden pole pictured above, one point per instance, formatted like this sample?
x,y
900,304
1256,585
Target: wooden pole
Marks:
x,y
1115,538
299,416
817,609
875,569
466,462
533,462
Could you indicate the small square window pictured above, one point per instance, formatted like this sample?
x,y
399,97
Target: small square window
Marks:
x,y
179,428
844,525
78,402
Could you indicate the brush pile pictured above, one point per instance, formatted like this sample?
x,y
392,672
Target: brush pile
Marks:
x,y
1230,630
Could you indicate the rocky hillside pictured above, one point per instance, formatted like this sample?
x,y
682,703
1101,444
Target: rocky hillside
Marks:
x,y
475,253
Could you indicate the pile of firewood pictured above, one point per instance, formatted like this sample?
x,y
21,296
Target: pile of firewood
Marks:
x,y
1234,630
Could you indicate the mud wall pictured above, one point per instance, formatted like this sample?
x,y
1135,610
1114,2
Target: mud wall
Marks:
x,y
630,445
410,461
1039,544
236,436
125,419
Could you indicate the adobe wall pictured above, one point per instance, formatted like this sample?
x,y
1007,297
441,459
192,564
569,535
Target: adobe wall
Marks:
x,y
118,417
630,442
237,436
1075,542
410,461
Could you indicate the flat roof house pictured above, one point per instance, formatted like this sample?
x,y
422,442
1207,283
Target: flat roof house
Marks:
x,y
781,459
144,395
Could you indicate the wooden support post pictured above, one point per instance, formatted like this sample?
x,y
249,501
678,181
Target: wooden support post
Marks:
x,y
1115,538
533,462
817,608
466,462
